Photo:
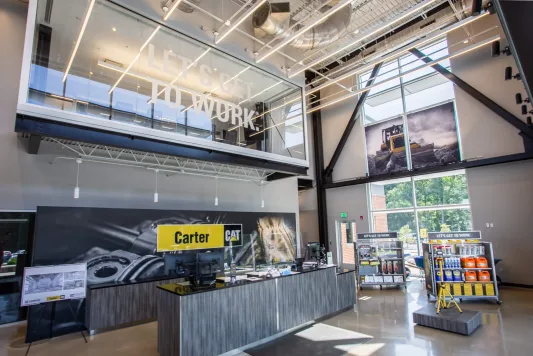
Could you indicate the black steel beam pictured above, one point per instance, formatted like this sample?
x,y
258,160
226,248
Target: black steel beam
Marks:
x,y
304,184
48,128
436,169
497,109
34,142
351,123
318,149
278,176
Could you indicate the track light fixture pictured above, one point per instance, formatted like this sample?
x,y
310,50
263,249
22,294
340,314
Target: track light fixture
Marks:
x,y
509,74
518,98
216,190
77,188
476,7
156,194
496,50
525,111
262,194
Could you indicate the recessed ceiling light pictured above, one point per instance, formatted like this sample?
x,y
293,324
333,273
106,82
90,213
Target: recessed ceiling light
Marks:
x,y
91,73
465,41
356,31
138,86
215,69
114,29
170,51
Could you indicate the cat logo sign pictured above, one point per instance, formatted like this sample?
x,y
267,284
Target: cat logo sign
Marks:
x,y
198,236
233,237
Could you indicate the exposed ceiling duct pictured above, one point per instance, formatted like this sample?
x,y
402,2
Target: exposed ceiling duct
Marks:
x,y
274,19
183,6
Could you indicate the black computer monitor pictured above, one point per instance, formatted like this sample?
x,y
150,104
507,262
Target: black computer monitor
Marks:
x,y
180,264
313,251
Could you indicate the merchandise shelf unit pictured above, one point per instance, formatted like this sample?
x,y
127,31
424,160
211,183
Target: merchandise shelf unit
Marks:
x,y
379,260
458,249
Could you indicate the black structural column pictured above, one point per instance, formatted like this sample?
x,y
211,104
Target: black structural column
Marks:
x,y
525,131
350,125
318,149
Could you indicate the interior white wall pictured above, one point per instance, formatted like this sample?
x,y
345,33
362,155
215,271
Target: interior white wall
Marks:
x,y
502,195
483,133
351,200
352,161
27,181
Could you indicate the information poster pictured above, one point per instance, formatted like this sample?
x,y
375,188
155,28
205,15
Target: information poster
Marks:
x,y
52,283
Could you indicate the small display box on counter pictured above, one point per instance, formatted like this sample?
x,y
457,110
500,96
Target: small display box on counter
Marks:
x,y
379,259
468,268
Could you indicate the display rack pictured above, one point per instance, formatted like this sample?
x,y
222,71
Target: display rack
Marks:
x,y
379,260
456,248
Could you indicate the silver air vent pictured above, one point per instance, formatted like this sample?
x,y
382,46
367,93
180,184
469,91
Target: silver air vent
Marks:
x,y
274,19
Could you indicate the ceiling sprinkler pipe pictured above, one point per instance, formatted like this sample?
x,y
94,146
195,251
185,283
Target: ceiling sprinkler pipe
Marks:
x,y
332,29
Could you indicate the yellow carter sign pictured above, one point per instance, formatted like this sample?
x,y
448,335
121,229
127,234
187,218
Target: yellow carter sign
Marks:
x,y
197,237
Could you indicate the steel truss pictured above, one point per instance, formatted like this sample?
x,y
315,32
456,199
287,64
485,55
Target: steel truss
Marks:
x,y
171,165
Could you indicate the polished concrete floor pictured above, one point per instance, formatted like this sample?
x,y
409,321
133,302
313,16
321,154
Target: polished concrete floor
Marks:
x,y
383,314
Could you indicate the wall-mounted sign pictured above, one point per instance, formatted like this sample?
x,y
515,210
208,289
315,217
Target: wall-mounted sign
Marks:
x,y
198,236
378,235
344,215
457,235
52,283
423,233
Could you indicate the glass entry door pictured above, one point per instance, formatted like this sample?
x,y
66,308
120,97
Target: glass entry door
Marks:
x,y
15,232
346,236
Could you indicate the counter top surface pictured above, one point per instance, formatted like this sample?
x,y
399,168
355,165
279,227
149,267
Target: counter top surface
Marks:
x,y
183,289
345,270
137,281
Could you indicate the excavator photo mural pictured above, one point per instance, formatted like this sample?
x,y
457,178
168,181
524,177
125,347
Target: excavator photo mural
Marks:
x,y
393,147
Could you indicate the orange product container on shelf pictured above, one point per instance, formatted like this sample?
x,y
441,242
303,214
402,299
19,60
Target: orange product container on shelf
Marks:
x,y
470,276
468,262
483,276
481,262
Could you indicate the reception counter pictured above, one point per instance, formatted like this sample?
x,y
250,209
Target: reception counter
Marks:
x,y
233,315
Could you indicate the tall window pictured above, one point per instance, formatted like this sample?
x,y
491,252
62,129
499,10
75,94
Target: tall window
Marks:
x,y
410,122
436,202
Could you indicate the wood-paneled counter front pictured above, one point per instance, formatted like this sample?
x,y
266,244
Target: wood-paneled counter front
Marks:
x,y
214,321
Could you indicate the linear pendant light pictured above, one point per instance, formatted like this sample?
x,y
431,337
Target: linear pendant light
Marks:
x,y
240,20
172,9
135,59
318,60
306,28
458,53
398,54
182,72
77,45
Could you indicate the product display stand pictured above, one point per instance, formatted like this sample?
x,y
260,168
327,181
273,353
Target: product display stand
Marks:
x,y
468,270
379,260
52,319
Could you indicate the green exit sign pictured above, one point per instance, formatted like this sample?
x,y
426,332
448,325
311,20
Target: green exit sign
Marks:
x,y
344,215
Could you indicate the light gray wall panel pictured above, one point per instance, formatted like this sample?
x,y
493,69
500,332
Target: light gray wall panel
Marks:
x,y
306,297
227,318
346,291
502,195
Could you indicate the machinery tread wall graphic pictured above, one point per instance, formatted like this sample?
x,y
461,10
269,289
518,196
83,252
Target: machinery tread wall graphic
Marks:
x,y
119,245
